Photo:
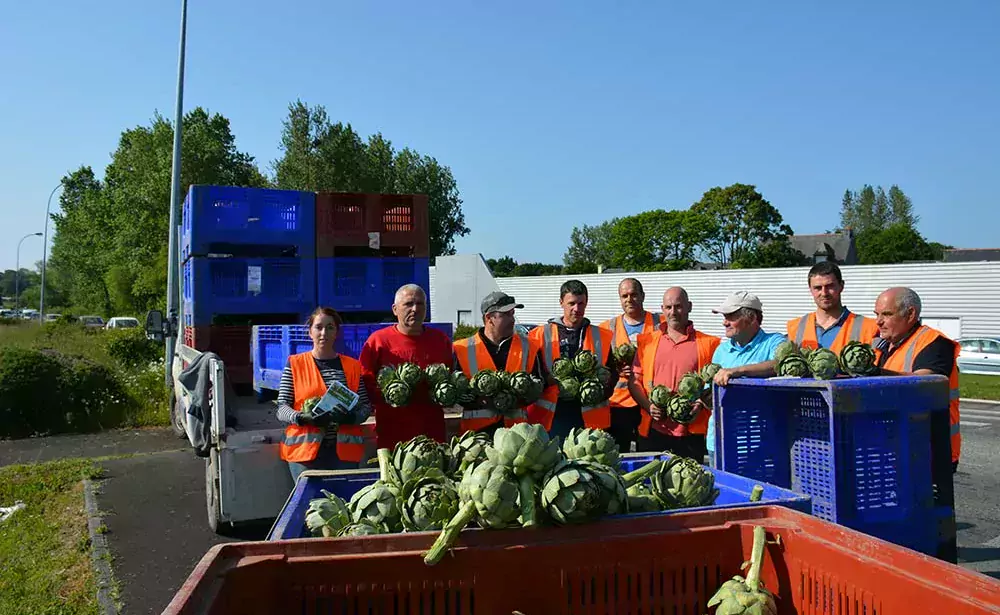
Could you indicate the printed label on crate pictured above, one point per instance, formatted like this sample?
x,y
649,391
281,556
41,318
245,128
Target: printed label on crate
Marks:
x,y
375,240
338,398
253,279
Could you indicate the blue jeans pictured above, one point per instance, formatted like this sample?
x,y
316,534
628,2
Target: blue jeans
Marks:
x,y
326,460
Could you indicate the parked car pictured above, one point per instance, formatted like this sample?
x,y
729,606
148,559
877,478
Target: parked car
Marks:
x,y
122,322
979,355
52,317
92,322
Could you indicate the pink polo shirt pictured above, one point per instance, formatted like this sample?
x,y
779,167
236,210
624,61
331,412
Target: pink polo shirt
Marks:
x,y
672,361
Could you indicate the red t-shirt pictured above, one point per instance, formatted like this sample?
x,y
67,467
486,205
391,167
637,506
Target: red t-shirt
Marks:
x,y
389,346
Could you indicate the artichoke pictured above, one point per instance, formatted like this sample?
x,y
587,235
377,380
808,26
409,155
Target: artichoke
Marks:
x,y
690,386
360,528
592,445
660,396
577,491
562,368
681,410
428,503
520,383
415,457
386,375
467,450
535,390
504,402
397,394
490,493
436,373
569,388
740,596
585,363
682,482
824,364
377,504
624,353
526,449
327,515
604,375
461,382
410,373
468,398
786,348
485,383
709,371
444,394
641,499
793,365
858,359
591,392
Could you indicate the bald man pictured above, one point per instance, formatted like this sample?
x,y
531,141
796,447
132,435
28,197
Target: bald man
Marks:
x,y
675,348
627,326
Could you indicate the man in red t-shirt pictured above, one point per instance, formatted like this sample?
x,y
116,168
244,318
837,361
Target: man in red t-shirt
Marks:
x,y
408,341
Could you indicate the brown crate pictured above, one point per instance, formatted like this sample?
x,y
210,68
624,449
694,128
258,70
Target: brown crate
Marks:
x,y
344,220
231,343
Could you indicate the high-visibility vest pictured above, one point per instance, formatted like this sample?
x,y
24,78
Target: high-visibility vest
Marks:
x,y
856,328
621,398
302,442
647,344
595,339
473,356
902,361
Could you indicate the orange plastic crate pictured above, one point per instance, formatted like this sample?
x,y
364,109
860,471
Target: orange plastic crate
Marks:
x,y
344,219
656,564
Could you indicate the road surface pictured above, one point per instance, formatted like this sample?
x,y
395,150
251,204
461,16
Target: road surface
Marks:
x,y
977,488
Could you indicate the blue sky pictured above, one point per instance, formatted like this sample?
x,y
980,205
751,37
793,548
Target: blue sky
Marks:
x,y
550,114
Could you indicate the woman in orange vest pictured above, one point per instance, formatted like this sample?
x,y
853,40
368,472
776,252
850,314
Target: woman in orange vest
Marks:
x,y
327,442
911,348
832,325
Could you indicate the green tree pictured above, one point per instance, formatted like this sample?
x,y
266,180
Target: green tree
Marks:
x,y
898,243
775,253
741,220
901,208
937,249
871,209
319,155
532,269
658,240
503,267
588,248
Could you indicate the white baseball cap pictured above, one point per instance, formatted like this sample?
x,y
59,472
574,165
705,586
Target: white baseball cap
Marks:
x,y
737,300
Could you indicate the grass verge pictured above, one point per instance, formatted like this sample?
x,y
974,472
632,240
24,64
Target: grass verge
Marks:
x,y
974,386
45,548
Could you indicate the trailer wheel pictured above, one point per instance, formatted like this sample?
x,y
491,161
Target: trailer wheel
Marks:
x,y
176,418
212,491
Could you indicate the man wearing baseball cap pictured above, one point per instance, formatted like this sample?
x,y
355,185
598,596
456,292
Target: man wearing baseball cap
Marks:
x,y
496,346
747,350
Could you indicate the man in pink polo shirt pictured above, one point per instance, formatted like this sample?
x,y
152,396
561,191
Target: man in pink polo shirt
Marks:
x,y
663,357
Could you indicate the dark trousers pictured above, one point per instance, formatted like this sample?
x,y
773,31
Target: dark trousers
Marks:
x,y
692,446
625,427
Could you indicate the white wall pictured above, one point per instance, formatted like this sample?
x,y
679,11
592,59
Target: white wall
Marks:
x,y
459,283
958,297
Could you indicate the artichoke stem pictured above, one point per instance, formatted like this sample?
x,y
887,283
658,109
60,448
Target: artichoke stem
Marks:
x,y
756,558
449,535
384,465
640,474
526,486
757,493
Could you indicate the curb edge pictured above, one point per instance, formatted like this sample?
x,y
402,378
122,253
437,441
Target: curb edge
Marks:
x,y
100,554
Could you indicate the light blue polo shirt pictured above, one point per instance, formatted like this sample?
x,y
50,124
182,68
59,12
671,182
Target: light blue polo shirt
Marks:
x,y
761,348
826,337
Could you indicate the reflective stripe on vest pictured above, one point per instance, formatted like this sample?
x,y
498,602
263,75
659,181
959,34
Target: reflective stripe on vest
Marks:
x,y
303,438
300,442
479,418
349,439
809,320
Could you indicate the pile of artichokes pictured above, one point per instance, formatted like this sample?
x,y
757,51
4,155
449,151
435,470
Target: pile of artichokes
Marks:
x,y
518,478
582,378
856,359
680,405
445,387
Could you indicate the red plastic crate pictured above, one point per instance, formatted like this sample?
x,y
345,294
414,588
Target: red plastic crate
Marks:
x,y
344,220
231,343
655,564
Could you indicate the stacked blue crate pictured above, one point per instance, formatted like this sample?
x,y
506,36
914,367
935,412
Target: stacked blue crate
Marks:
x,y
863,448
367,284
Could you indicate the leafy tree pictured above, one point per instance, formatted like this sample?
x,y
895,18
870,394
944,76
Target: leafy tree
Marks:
x,y
872,209
775,253
898,243
319,155
504,267
658,240
937,249
531,269
588,248
901,208
741,220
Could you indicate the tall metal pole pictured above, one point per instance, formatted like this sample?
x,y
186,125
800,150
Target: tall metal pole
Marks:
x,y
45,254
173,286
17,272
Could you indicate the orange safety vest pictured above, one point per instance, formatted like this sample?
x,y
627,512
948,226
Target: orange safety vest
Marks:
x,y
302,442
902,361
621,398
647,345
473,356
595,339
856,328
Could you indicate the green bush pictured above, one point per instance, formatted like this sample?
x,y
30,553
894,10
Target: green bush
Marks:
x,y
92,395
464,331
30,393
131,347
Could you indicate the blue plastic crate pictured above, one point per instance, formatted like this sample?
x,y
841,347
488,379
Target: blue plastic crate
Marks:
x,y
227,220
861,447
248,286
367,284
273,344
734,492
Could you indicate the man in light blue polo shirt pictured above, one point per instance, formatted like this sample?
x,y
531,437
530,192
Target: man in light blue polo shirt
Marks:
x,y
747,351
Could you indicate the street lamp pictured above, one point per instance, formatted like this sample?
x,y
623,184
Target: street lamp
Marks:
x,y
45,253
17,270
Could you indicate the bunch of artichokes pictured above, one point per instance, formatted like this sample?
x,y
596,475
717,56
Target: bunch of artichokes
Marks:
x,y
583,378
444,387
